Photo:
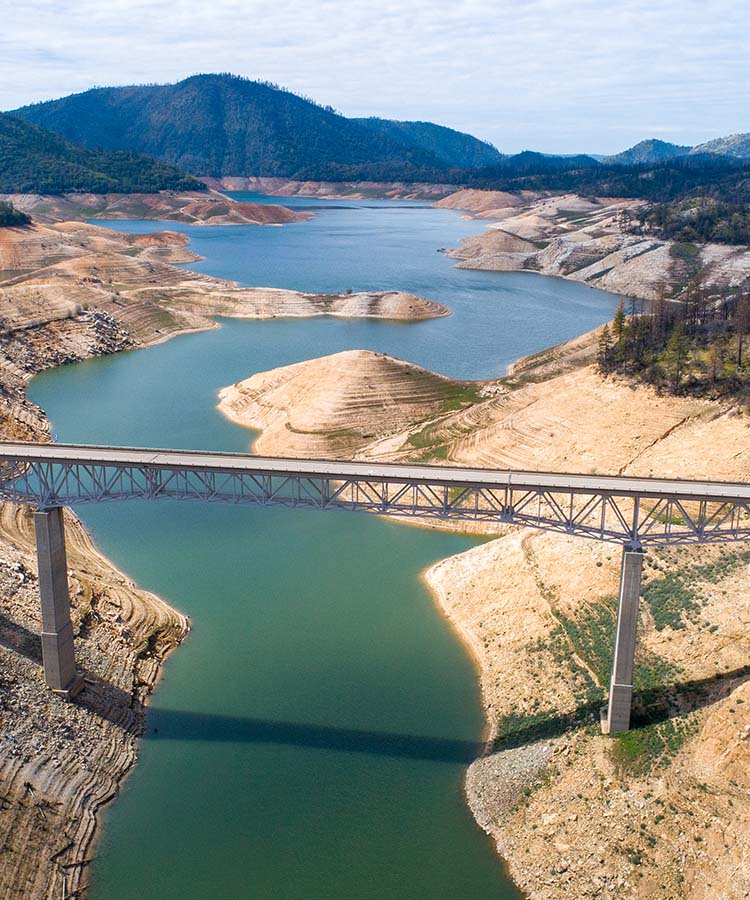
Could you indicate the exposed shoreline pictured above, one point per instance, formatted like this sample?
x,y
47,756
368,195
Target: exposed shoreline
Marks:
x,y
471,644
583,239
188,207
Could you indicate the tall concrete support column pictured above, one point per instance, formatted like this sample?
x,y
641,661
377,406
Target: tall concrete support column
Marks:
x,y
616,715
57,631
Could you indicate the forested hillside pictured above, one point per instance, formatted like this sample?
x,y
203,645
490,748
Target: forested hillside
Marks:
x,y
737,145
650,151
215,125
454,149
34,160
697,220
224,125
721,178
699,346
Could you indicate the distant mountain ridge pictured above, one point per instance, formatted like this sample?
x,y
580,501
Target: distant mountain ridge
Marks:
x,y
34,160
648,151
654,151
455,149
529,162
214,125
223,125
737,145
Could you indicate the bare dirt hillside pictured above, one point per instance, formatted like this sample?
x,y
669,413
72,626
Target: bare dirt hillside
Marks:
x,y
349,190
194,208
337,405
584,239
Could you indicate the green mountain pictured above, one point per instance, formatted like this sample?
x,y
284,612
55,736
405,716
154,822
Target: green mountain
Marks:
x,y
529,162
225,125
650,151
34,160
723,179
737,145
454,149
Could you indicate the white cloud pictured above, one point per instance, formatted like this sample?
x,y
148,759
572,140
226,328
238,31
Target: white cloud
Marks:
x,y
555,75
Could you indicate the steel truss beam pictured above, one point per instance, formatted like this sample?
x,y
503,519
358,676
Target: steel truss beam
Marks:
x,y
634,517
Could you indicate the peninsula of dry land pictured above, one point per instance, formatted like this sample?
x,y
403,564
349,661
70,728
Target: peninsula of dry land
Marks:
x,y
190,207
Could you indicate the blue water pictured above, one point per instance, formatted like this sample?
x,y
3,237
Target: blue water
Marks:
x,y
309,740
373,246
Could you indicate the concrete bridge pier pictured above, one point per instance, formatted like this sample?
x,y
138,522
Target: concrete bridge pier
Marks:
x,y
57,631
616,715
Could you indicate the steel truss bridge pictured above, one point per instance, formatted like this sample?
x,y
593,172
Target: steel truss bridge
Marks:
x,y
634,512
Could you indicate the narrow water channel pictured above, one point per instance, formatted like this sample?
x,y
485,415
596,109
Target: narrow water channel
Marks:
x,y
309,740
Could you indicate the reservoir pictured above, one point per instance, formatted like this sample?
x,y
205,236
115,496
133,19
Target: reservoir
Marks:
x,y
310,738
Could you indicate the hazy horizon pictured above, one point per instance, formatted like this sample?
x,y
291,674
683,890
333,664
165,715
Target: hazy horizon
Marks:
x,y
558,77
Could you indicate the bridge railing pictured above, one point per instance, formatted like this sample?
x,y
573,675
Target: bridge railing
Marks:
x,y
596,513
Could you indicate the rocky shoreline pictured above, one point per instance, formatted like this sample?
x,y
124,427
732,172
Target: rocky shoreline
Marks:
x,y
585,240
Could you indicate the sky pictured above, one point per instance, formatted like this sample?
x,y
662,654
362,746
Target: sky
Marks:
x,y
551,75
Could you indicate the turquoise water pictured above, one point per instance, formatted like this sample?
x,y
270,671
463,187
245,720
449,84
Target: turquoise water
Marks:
x,y
309,740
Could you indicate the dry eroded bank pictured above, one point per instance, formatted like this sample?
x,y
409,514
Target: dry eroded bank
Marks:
x,y
665,811
191,207
583,239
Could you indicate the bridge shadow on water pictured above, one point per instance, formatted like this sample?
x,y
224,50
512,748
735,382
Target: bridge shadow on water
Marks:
x,y
649,707
107,701
168,724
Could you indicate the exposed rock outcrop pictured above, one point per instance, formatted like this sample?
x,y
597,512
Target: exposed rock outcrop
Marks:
x,y
583,239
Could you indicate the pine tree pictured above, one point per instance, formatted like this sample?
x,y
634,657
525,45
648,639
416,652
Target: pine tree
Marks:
x,y
605,347
676,355
716,360
618,322
742,324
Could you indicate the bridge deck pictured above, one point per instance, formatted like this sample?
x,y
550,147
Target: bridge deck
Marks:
x,y
395,473
632,511
617,508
